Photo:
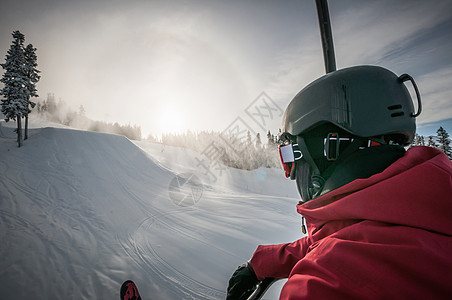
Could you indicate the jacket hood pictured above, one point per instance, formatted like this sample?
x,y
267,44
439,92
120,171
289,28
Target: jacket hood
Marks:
x,y
414,191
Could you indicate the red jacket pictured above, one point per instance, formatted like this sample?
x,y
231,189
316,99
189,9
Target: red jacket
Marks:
x,y
385,237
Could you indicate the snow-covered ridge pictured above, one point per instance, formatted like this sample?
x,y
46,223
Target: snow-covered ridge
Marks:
x,y
80,212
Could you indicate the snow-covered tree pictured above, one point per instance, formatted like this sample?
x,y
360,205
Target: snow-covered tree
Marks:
x,y
31,62
431,142
422,141
81,110
269,138
444,142
418,140
258,141
249,141
415,141
272,140
15,92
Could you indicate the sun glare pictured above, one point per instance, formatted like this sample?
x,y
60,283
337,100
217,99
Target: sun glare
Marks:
x,y
171,121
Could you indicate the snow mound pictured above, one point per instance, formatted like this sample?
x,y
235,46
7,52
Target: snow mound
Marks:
x,y
81,212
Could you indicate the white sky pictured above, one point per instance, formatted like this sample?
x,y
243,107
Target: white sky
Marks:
x,y
175,65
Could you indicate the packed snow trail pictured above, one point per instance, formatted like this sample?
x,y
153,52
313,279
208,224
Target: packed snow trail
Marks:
x,y
81,212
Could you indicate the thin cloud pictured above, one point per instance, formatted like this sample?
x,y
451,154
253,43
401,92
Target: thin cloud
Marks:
x,y
436,92
406,37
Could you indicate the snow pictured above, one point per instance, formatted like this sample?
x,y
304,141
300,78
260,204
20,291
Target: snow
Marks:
x,y
81,212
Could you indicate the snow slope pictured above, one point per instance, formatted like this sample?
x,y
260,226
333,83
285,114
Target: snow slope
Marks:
x,y
81,212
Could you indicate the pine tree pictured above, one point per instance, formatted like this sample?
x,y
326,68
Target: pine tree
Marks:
x,y
269,138
444,142
50,103
422,141
419,140
33,77
415,141
258,141
431,142
15,92
259,156
82,111
249,141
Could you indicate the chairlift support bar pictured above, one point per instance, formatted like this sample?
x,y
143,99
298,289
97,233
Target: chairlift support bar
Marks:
x,y
326,35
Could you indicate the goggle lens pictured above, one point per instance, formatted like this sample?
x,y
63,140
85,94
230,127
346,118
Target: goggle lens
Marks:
x,y
289,153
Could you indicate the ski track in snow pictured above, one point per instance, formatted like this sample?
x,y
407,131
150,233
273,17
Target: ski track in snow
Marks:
x,y
82,212
143,252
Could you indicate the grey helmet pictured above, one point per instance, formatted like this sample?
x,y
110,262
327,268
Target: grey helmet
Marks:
x,y
366,101
362,102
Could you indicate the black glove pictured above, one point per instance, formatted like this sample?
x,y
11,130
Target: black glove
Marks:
x,y
242,283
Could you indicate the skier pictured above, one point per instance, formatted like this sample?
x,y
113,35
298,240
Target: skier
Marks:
x,y
379,218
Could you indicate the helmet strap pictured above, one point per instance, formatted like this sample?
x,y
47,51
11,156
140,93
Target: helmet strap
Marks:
x,y
355,145
317,181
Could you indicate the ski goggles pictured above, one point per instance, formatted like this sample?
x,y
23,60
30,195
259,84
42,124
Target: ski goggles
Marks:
x,y
289,153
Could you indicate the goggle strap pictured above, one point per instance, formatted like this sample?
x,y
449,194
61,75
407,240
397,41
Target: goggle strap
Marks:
x,y
307,156
331,146
356,144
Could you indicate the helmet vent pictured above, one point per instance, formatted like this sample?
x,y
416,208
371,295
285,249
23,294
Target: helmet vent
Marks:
x,y
397,114
394,107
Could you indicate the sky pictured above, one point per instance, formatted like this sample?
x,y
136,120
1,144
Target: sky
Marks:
x,y
172,66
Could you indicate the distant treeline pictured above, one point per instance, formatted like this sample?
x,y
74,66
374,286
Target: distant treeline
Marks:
x,y
441,141
59,112
254,152
248,153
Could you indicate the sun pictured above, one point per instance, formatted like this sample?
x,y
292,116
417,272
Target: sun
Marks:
x,y
171,120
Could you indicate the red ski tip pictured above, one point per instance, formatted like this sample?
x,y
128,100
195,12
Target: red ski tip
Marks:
x,y
129,291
